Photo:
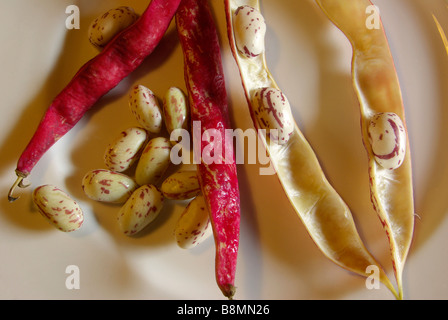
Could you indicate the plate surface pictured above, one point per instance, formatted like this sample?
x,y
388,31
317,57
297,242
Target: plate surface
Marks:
x,y
310,60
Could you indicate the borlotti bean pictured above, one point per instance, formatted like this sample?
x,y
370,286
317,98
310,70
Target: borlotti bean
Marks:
x,y
193,226
273,113
324,213
145,106
108,186
140,209
387,137
123,152
154,161
58,208
250,30
109,24
181,185
175,109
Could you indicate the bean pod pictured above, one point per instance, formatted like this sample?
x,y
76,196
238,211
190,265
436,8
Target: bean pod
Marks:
x,y
58,208
108,186
123,152
325,215
204,78
376,83
140,209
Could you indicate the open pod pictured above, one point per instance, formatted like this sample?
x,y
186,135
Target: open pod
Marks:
x,y
325,215
383,124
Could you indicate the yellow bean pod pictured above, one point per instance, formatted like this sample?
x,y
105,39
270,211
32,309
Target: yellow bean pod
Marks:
x,y
325,215
376,83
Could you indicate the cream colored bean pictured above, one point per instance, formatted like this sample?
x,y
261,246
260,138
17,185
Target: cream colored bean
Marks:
x,y
193,226
145,106
175,109
154,161
58,208
273,113
181,185
250,30
387,137
108,186
109,24
140,209
123,152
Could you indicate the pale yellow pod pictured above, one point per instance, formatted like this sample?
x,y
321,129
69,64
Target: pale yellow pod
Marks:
x,y
108,186
145,106
193,226
175,109
154,161
140,209
58,208
124,150
109,24
181,185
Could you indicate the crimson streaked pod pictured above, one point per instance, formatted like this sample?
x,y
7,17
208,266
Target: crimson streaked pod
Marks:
x,y
250,30
58,208
273,112
387,137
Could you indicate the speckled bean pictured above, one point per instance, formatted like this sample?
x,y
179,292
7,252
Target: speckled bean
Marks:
x,y
108,186
122,153
273,111
181,185
140,209
250,30
193,226
145,106
175,109
58,208
154,161
387,137
109,24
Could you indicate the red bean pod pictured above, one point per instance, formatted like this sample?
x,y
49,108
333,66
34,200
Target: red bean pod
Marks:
x,y
205,82
124,53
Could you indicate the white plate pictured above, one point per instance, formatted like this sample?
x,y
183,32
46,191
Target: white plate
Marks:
x,y
310,59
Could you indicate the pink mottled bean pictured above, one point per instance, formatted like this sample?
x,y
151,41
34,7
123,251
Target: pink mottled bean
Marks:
x,y
145,106
58,208
108,186
123,152
154,161
140,209
181,185
193,226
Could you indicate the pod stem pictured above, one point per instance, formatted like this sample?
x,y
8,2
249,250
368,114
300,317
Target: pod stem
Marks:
x,y
17,183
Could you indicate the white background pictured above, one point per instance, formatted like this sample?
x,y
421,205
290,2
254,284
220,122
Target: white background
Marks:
x,y
310,60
